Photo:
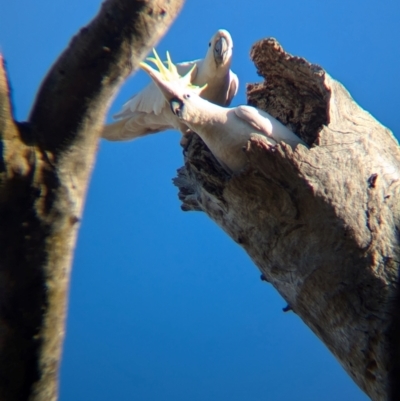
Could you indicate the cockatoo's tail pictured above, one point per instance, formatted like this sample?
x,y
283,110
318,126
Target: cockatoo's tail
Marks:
x,y
170,73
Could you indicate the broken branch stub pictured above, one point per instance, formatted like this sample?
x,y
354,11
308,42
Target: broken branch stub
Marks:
x,y
321,224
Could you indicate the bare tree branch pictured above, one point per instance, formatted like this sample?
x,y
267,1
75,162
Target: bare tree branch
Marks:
x,y
44,169
321,224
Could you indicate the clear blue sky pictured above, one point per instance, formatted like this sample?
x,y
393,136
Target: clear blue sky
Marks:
x,y
163,305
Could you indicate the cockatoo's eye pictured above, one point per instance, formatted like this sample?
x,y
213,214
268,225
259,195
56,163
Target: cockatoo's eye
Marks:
x,y
176,107
186,96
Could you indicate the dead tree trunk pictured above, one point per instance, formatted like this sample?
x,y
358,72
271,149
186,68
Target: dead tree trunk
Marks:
x,y
322,224
45,164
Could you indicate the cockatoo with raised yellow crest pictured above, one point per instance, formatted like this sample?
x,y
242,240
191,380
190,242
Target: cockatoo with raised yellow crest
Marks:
x,y
224,130
148,112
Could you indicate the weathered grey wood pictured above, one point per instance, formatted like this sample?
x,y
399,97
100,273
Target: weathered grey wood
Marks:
x,y
321,224
44,169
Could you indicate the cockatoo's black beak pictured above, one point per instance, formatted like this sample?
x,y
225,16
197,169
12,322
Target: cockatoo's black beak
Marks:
x,y
176,106
220,49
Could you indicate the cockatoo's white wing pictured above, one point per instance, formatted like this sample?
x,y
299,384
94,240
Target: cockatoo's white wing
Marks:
x,y
251,116
233,88
145,113
267,125
149,100
138,124
184,68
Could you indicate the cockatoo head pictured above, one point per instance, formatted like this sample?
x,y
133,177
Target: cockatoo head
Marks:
x,y
182,96
220,48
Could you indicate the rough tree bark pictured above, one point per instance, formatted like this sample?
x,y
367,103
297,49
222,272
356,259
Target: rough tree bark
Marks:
x,y
45,164
322,224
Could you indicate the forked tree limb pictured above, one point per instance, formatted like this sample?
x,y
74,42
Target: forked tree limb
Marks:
x,y
45,165
322,224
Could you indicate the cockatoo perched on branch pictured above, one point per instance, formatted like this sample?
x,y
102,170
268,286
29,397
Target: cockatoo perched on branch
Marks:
x,y
148,112
224,130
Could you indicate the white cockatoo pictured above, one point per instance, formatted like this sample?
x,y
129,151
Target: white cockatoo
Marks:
x,y
224,130
148,112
